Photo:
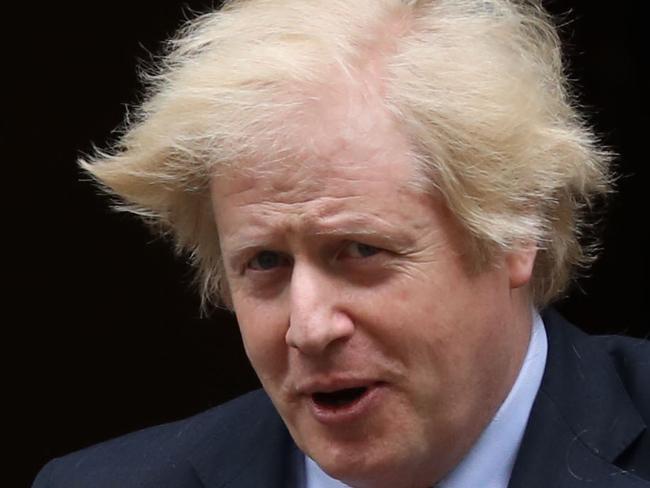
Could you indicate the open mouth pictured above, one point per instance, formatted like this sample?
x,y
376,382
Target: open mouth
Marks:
x,y
339,398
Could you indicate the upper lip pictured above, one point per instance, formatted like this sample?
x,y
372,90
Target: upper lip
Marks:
x,y
328,385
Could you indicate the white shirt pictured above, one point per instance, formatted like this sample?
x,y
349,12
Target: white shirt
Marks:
x,y
489,462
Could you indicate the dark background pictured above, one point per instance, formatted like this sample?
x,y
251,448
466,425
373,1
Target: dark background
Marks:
x,y
109,337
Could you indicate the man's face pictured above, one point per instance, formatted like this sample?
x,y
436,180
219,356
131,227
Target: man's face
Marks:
x,y
384,356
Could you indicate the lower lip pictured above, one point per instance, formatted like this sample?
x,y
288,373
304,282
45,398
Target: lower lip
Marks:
x,y
350,412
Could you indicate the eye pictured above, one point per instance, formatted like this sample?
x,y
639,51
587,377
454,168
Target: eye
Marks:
x,y
358,250
266,261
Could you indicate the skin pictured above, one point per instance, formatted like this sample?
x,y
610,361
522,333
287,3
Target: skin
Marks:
x,y
340,270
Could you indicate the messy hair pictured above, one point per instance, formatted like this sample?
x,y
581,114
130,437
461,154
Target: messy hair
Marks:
x,y
477,87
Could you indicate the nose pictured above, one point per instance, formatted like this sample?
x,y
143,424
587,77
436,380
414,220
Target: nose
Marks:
x,y
316,318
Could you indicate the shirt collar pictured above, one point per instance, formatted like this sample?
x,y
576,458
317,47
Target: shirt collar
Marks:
x,y
489,463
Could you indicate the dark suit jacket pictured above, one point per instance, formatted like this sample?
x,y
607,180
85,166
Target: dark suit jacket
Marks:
x,y
587,429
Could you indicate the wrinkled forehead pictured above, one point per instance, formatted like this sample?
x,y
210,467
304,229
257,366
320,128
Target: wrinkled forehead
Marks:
x,y
296,180
342,162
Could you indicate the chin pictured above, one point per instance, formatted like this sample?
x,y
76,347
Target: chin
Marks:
x,y
369,463
378,476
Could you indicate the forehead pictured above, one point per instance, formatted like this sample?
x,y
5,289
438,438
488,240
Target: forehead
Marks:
x,y
319,206
354,185
299,181
335,196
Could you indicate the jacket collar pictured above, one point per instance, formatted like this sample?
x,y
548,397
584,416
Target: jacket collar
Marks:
x,y
256,450
582,418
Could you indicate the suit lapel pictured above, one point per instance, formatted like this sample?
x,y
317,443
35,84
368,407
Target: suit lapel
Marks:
x,y
255,452
581,421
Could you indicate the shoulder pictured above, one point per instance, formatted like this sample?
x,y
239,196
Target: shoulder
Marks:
x,y
604,360
593,407
630,358
156,456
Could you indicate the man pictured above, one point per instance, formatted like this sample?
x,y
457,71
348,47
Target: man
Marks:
x,y
385,193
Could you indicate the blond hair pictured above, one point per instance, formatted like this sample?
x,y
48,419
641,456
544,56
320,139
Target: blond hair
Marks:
x,y
477,86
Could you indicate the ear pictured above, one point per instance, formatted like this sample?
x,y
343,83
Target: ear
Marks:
x,y
520,264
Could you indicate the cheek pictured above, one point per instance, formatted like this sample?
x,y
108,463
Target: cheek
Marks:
x,y
465,335
263,332
441,324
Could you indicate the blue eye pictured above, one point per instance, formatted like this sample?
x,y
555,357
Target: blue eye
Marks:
x,y
266,260
359,250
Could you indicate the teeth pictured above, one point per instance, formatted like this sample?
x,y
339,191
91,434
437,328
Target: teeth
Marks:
x,y
340,397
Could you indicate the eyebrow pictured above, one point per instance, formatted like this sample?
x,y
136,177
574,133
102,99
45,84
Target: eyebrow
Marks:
x,y
387,236
244,243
